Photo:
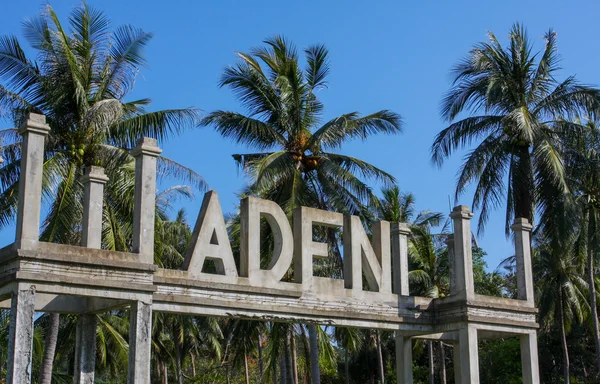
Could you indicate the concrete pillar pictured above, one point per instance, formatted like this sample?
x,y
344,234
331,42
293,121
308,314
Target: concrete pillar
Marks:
x,y
140,340
456,359
404,368
85,349
400,232
463,253
20,335
522,230
451,263
529,358
469,355
145,154
34,131
93,181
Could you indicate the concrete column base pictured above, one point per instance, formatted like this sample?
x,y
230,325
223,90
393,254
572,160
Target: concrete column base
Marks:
x,y
20,335
404,366
529,358
469,355
85,349
140,339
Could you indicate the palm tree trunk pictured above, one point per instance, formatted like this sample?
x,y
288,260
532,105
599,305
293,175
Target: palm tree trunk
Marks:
x,y
431,364
315,372
165,374
283,374
178,363
246,367
380,358
260,358
193,364
522,183
294,357
49,348
591,283
288,360
563,336
346,368
442,362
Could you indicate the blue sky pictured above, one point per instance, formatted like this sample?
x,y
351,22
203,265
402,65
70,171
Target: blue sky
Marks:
x,y
384,55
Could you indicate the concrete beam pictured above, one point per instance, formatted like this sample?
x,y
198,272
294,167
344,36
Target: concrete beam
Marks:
x,y
145,154
20,335
34,131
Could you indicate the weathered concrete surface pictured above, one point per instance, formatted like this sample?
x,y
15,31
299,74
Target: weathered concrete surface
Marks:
x,y
399,238
363,259
140,340
210,241
522,230
404,361
145,154
251,210
85,349
463,253
34,131
529,358
20,335
93,181
469,355
451,262
305,249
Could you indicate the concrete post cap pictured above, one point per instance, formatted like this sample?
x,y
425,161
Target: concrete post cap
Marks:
x,y
461,211
94,174
521,224
401,228
146,146
34,123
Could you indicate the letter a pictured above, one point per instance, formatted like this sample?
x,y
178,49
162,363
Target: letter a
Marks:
x,y
210,241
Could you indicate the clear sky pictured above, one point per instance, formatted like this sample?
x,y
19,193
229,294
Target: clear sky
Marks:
x,y
384,55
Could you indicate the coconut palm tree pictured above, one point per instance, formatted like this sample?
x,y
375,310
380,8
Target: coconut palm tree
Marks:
x,y
297,165
79,80
513,100
350,340
582,158
562,290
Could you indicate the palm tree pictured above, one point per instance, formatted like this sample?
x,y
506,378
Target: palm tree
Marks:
x,y
79,80
583,170
562,292
297,166
350,340
515,102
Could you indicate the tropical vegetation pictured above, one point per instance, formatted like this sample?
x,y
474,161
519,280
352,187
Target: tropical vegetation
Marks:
x,y
534,149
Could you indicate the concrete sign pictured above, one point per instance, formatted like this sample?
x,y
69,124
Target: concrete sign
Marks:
x,y
85,280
